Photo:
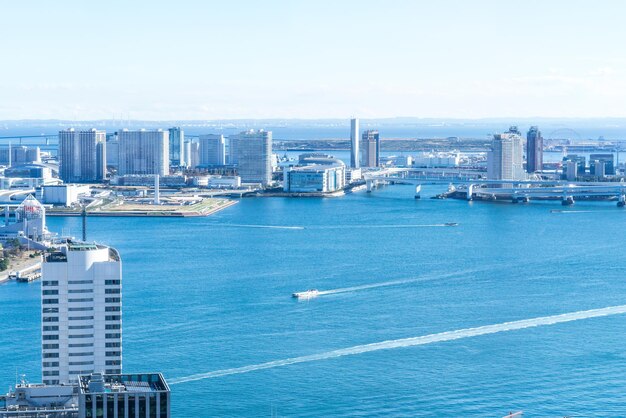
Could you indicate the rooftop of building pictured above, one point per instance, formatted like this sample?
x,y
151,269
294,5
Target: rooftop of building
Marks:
x,y
317,168
120,383
59,255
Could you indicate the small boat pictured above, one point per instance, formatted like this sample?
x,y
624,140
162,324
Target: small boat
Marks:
x,y
311,293
451,224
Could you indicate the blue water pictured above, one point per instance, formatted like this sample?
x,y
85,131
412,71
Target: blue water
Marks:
x,y
208,294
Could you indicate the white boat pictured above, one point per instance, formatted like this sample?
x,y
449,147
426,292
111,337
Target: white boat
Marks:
x,y
311,293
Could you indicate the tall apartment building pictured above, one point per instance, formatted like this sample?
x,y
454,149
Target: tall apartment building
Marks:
x,y
534,150
14,155
81,297
370,143
143,152
354,143
177,147
505,160
212,150
253,155
82,155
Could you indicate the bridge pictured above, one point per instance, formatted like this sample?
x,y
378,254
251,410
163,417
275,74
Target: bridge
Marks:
x,y
474,185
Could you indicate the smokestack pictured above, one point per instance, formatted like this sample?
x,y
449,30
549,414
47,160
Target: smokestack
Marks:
x,y
157,200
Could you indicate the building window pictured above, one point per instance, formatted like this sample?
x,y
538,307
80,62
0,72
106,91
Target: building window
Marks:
x,y
50,301
113,345
80,300
50,337
80,282
112,318
50,346
80,291
80,354
50,319
113,363
50,355
50,372
114,335
113,353
51,364
80,318
112,282
111,291
80,309
50,310
49,283
80,345
112,326
51,328
113,308
112,300
81,336
50,292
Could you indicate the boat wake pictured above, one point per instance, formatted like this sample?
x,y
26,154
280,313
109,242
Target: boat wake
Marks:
x,y
260,226
362,226
412,342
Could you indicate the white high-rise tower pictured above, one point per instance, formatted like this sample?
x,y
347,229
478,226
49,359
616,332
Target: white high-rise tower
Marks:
x,y
354,143
81,297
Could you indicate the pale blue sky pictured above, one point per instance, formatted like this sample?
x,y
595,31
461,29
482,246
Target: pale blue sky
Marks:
x,y
312,59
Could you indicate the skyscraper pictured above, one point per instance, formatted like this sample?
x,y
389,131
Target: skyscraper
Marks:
x,y
212,150
253,155
371,149
505,160
81,293
82,155
534,150
177,147
143,152
354,143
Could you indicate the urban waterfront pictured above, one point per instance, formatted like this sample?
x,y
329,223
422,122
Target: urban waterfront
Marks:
x,y
208,294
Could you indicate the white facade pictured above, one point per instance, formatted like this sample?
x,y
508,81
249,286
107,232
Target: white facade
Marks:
x,y
253,156
505,161
315,178
81,312
143,152
63,194
354,143
437,159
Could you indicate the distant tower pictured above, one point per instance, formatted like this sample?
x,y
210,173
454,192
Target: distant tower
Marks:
x,y
354,143
534,150
505,160
371,149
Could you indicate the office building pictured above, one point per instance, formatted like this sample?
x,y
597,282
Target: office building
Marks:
x,y
354,143
437,159
601,165
113,150
212,150
143,152
505,159
13,155
315,178
144,395
176,147
534,150
574,166
253,156
193,154
82,155
371,149
81,296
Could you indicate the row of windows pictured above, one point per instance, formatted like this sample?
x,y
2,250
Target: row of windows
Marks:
x,y
112,300
113,345
50,355
80,318
80,291
81,336
111,291
113,308
113,335
113,363
50,337
80,309
50,319
50,301
80,300
51,328
50,372
112,282
80,363
113,353
81,354
113,371
50,292
50,310
80,281
51,364
50,346
49,283
81,345
112,326
80,327
112,317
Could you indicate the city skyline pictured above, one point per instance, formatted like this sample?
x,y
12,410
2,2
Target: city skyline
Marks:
x,y
482,68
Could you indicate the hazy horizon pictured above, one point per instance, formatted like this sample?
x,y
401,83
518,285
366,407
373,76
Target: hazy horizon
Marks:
x,y
312,60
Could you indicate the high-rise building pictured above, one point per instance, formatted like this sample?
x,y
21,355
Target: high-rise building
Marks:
x,y
574,166
177,147
505,160
16,155
113,150
82,155
143,152
193,154
212,150
370,144
81,296
534,150
253,155
354,143
602,165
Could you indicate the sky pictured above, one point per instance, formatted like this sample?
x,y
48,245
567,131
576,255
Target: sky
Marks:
x,y
184,60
